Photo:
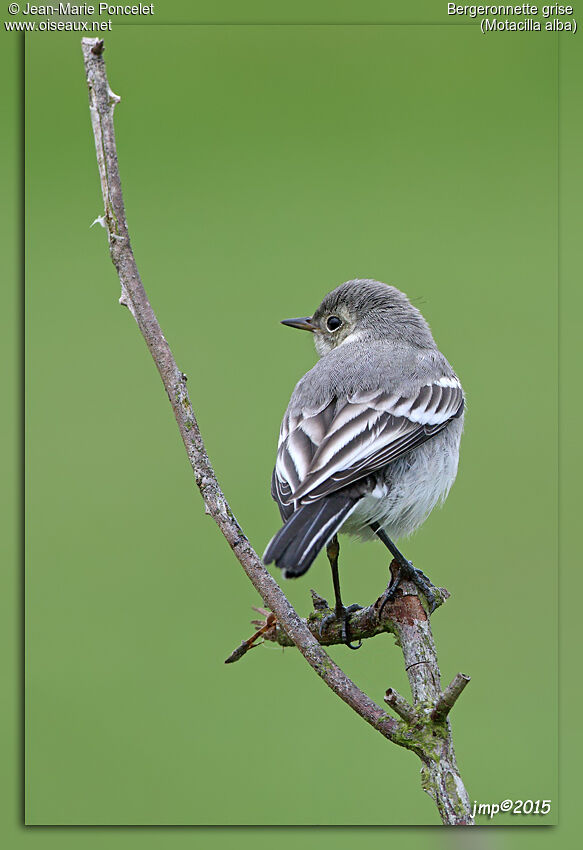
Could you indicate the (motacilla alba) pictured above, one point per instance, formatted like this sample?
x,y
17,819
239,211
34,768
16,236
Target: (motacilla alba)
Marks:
x,y
369,443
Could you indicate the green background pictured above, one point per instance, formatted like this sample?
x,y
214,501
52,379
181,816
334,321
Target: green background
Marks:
x,y
261,167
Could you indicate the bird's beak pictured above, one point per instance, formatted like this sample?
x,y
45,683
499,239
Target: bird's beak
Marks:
x,y
304,324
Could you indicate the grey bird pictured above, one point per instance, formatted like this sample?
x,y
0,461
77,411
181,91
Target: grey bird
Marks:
x,y
369,443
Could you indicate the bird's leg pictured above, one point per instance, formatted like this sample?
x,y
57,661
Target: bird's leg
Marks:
x,y
405,570
340,612
333,550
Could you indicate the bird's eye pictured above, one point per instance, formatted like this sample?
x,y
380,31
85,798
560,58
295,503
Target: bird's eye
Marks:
x,y
333,323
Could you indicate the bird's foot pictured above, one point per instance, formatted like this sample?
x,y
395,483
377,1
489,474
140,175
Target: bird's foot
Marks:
x,y
342,614
405,571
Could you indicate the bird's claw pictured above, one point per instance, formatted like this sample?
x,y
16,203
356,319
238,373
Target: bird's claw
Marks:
x,y
427,588
410,573
325,622
342,615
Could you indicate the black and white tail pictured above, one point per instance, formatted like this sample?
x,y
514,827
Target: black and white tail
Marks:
x,y
296,545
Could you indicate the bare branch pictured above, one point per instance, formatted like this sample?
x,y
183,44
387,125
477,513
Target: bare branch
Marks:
x,y
446,701
400,705
406,617
440,776
101,104
364,623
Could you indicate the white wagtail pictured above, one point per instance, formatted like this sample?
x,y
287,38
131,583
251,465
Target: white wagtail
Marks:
x,y
369,443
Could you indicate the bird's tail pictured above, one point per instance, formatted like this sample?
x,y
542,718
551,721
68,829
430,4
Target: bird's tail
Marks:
x,y
297,543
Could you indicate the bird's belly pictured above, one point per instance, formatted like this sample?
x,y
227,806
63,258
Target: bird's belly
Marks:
x,y
408,489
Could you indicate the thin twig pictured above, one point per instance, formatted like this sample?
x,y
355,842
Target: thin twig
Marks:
x,y
102,102
446,701
400,705
251,642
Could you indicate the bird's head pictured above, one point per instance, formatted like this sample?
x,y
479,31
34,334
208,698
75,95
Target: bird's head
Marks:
x,y
363,310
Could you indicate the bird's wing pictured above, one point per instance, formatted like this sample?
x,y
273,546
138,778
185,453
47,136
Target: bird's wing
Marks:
x,y
324,449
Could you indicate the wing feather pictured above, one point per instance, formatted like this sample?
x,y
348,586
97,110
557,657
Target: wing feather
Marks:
x,y
324,449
